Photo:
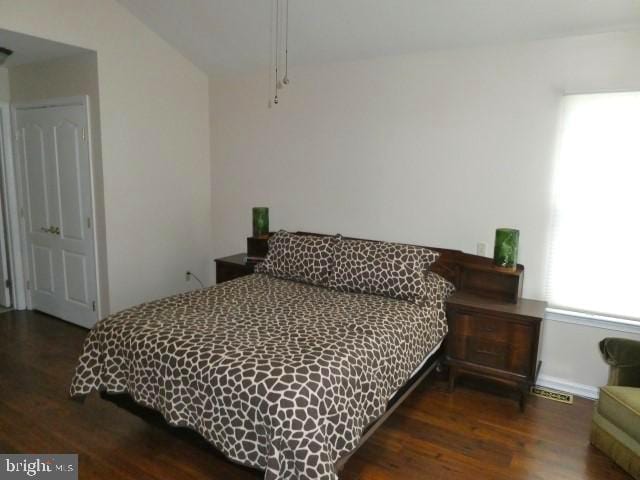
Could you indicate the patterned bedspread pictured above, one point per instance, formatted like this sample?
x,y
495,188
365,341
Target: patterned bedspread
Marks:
x,y
278,375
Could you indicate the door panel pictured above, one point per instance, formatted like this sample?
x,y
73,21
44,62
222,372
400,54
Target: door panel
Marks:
x,y
43,270
68,137
36,174
75,276
54,154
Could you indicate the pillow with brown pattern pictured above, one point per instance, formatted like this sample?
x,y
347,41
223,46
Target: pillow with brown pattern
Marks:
x,y
439,289
381,268
302,258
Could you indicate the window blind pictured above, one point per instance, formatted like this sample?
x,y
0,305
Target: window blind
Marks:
x,y
594,255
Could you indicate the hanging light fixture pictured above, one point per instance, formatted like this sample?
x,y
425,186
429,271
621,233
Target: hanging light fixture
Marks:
x,y
4,54
280,30
277,48
285,80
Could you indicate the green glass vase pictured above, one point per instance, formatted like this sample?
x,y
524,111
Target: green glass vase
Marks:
x,y
260,221
505,252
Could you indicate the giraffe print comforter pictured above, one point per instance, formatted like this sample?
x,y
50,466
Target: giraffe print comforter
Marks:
x,y
278,375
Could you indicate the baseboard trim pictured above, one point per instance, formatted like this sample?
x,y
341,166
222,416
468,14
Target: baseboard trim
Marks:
x,y
563,385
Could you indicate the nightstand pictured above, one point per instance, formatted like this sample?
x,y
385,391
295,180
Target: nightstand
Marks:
x,y
495,340
234,266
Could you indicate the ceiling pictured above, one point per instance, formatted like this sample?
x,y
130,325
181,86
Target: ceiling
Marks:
x,y
229,36
28,49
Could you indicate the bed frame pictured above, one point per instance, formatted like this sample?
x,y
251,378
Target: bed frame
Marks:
x,y
469,273
432,364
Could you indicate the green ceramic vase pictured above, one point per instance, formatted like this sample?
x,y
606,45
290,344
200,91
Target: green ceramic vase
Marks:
x,y
260,221
505,252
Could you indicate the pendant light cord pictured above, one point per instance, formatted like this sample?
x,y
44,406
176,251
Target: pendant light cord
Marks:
x,y
286,46
280,23
275,98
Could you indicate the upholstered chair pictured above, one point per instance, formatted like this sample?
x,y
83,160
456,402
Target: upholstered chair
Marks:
x,y
615,427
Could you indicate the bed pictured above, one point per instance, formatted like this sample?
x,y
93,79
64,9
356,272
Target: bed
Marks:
x,y
279,375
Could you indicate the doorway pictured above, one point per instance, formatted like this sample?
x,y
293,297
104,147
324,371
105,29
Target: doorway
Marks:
x,y
56,224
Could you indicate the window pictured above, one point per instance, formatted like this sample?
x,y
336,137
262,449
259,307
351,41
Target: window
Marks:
x,y
594,263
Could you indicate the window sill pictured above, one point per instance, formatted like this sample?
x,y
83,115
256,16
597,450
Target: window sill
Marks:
x,y
592,320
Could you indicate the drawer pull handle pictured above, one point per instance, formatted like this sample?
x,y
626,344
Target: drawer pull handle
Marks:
x,y
486,352
488,329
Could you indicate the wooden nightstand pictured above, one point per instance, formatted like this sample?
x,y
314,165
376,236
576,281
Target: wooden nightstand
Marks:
x,y
495,340
234,266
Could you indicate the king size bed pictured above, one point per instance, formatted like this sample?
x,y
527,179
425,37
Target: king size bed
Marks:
x,y
287,370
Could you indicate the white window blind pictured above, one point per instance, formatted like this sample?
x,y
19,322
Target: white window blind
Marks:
x,y
594,263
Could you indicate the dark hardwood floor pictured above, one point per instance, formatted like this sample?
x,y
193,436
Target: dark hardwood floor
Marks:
x,y
468,434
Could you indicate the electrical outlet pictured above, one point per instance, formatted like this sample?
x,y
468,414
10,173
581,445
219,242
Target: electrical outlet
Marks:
x,y
481,249
187,276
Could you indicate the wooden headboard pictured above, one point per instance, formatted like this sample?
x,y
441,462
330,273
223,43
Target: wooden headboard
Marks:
x,y
472,273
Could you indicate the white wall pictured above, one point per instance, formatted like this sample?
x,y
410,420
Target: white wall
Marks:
x,y
436,149
155,144
68,77
4,84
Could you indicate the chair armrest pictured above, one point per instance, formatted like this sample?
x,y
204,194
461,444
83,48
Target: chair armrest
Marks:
x,y
623,357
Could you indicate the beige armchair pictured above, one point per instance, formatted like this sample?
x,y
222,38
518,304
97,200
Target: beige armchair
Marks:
x,y
615,427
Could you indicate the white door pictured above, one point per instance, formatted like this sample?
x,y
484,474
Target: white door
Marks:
x,y
53,151
5,293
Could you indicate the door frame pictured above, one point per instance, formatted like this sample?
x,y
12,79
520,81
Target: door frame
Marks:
x,y
12,223
82,100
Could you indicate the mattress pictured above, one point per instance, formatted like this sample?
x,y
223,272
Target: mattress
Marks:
x,y
278,375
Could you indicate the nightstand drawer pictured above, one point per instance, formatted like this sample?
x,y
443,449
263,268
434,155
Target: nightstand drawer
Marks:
x,y
491,328
482,326
480,351
512,355
487,353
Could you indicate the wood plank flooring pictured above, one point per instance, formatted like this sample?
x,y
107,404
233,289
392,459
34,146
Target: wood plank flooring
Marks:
x,y
468,434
